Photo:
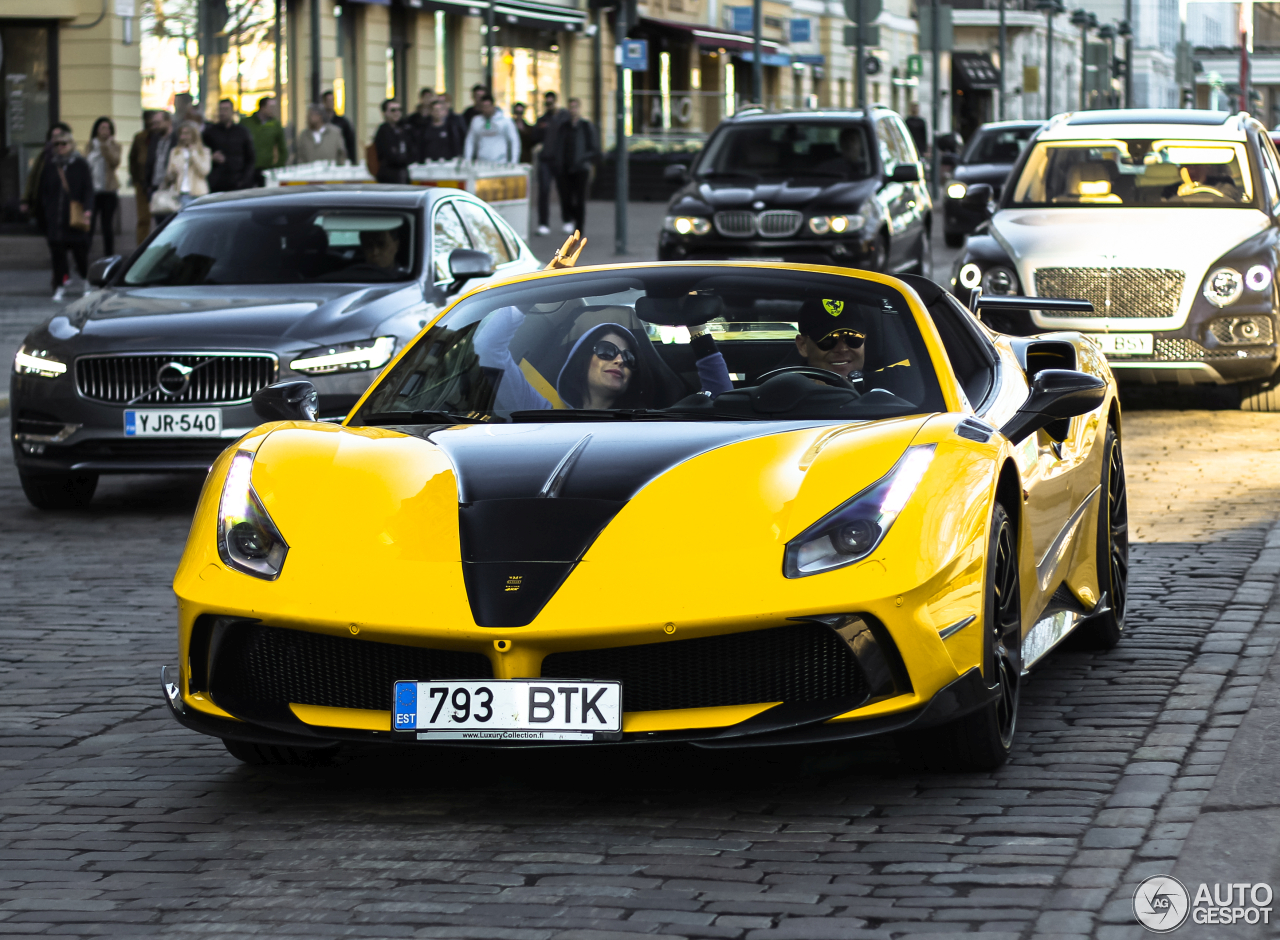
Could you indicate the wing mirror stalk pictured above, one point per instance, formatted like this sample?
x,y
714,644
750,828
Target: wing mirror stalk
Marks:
x,y
1055,394
287,401
466,264
675,173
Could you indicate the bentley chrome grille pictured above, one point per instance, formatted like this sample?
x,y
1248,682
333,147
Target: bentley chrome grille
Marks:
x,y
1118,293
179,379
737,223
779,223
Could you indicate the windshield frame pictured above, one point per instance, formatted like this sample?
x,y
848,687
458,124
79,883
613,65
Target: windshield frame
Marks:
x,y
1166,136
965,155
417,250
948,385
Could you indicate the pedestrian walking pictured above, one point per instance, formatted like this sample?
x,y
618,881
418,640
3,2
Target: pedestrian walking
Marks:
x,y
391,146
442,138
342,124
139,153
454,118
64,208
416,123
546,134
527,131
477,92
579,150
918,129
103,154
158,155
231,149
187,176
270,148
492,136
320,141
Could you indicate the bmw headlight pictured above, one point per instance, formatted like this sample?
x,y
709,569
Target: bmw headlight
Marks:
x,y
852,531
687,224
248,540
346,357
957,190
37,362
1223,286
836,224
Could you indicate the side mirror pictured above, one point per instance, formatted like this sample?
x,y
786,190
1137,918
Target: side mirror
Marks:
x,y
905,173
102,270
1055,394
977,196
675,173
287,401
467,263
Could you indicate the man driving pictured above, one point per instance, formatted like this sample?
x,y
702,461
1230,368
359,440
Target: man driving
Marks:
x,y
852,162
832,336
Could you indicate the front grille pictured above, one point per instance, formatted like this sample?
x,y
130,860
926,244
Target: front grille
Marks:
x,y
779,223
271,665
736,224
801,663
214,379
1132,292
1177,349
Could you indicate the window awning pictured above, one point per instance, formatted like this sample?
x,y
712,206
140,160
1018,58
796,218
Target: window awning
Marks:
x,y
973,71
713,38
539,15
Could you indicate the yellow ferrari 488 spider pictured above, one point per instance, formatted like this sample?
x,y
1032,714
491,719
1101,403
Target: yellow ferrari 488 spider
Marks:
x,y
719,503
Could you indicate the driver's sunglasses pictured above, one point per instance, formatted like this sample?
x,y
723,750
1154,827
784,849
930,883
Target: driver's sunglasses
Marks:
x,y
852,338
609,351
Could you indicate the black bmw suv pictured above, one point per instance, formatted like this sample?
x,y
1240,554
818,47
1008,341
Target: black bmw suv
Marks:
x,y
838,188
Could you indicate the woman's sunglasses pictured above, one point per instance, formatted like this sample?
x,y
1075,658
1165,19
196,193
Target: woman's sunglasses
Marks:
x,y
609,351
852,338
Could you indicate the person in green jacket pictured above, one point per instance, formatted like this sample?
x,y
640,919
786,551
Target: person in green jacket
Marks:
x,y
269,144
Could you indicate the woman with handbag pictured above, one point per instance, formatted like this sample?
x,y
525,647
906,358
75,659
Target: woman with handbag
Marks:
x,y
187,177
66,207
103,154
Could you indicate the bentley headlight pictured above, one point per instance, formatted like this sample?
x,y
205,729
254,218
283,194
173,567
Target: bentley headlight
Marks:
x,y
1258,277
687,224
248,540
970,276
37,362
999,279
957,190
836,224
854,529
1223,286
346,357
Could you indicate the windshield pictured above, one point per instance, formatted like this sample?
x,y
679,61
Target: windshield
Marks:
x,y
1135,173
246,245
792,149
999,144
609,346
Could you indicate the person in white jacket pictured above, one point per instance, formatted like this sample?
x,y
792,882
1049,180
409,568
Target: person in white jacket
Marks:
x,y
492,135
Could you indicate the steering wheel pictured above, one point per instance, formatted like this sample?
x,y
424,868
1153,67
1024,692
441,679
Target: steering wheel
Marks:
x,y
825,376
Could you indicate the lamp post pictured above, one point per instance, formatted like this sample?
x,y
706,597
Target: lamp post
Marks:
x,y
1125,32
1050,8
1107,33
1084,21
1003,42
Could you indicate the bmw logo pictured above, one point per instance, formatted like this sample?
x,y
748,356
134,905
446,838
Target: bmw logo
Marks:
x,y
173,378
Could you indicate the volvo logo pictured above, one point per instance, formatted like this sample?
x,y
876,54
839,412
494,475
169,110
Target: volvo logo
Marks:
x,y
173,378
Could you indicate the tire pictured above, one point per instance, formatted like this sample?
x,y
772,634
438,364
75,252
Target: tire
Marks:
x,y
879,261
1261,396
54,491
954,239
260,755
1103,631
981,740
924,256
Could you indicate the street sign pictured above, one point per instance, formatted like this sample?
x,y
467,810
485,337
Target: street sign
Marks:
x,y
741,19
635,54
872,36
873,66
946,35
870,8
915,65
801,30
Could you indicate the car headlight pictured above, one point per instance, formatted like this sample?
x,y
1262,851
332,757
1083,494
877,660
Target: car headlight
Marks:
x,y
346,357
1258,277
836,224
970,276
852,531
248,540
957,190
37,362
1223,286
687,224
999,279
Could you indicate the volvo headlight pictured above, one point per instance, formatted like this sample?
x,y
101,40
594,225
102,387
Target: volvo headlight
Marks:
x,y
346,357
1223,286
957,190
248,540
836,224
37,362
687,224
853,530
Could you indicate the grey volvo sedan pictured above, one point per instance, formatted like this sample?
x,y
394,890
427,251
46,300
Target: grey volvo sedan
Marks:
x,y
154,370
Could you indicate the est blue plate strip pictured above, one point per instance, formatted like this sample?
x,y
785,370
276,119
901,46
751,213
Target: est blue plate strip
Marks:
x,y
406,715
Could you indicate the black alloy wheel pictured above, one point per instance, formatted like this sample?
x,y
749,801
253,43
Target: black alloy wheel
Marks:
x,y
1103,631
54,491
981,740
1261,396
879,259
